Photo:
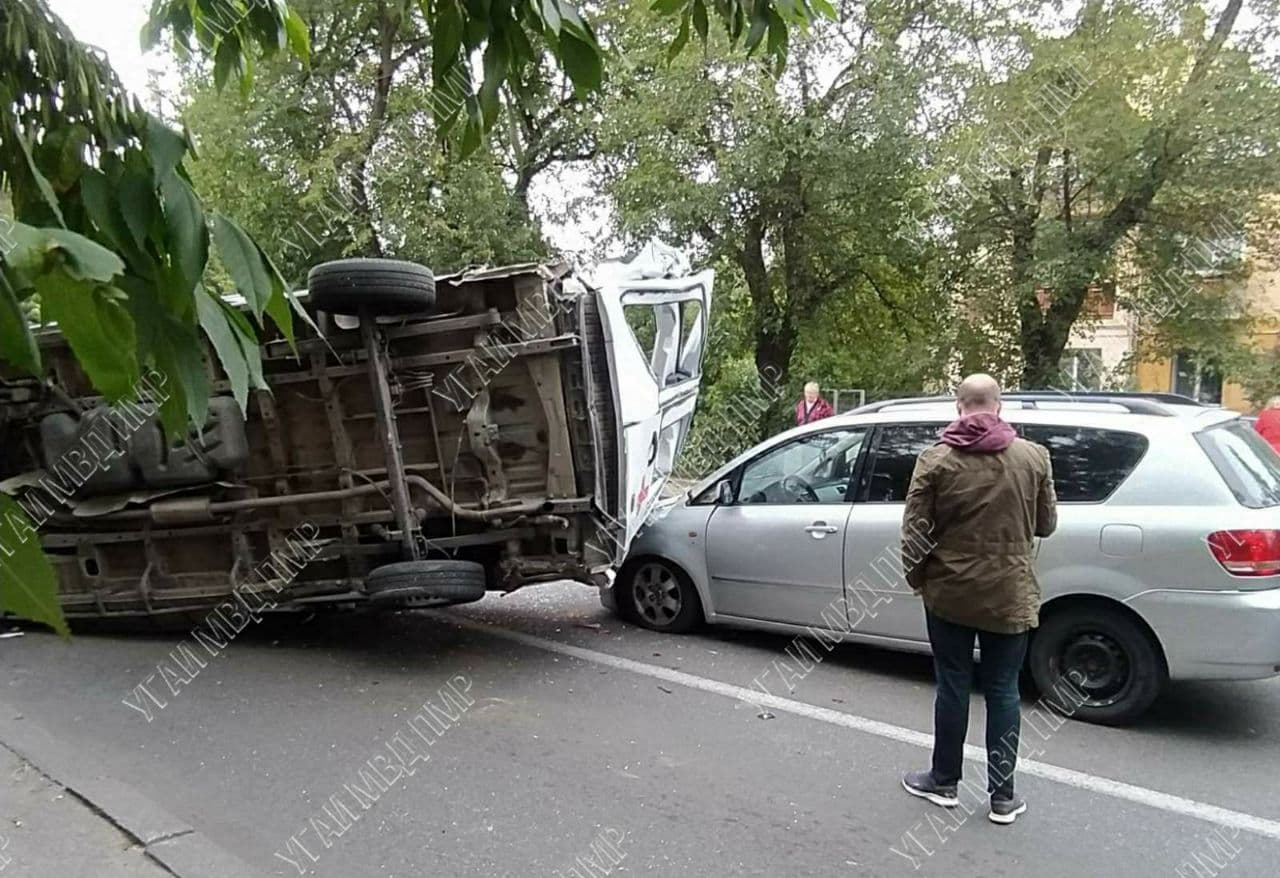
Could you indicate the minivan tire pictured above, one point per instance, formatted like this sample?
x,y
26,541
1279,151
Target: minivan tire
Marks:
x,y
647,588
379,287
1100,653
426,583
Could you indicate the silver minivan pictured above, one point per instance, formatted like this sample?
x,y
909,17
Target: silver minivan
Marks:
x,y
1165,565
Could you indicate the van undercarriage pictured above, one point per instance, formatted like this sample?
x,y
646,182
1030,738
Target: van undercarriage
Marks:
x,y
476,441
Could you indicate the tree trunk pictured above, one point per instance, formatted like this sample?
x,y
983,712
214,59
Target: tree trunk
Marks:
x,y
388,27
773,329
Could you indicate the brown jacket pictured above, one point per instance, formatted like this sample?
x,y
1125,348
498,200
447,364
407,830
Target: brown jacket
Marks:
x,y
968,533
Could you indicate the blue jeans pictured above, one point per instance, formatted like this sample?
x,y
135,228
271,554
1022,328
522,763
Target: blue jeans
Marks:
x,y
1002,656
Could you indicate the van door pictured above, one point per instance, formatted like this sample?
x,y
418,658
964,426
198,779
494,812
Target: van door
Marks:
x,y
655,332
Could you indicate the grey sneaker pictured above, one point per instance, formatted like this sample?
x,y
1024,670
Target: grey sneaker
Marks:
x,y
921,784
1005,811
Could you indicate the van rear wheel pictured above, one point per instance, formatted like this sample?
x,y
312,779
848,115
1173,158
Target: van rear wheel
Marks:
x,y
1096,664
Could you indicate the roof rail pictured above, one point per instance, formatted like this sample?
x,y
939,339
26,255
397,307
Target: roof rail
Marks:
x,y
1134,404
1103,395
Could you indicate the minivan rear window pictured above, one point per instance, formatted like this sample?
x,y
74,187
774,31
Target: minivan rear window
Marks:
x,y
1088,464
1249,466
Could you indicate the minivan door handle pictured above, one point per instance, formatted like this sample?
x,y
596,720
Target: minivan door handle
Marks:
x,y
819,529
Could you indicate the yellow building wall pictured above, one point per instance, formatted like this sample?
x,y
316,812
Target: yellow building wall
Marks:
x,y
1262,290
1156,376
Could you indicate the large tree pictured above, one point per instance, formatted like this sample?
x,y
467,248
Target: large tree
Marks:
x,y
1123,149
800,184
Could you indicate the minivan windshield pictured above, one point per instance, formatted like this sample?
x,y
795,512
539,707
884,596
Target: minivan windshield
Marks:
x,y
1249,466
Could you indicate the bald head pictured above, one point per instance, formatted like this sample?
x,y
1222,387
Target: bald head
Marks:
x,y
978,393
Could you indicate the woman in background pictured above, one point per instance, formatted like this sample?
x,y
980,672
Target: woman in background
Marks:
x,y
1268,423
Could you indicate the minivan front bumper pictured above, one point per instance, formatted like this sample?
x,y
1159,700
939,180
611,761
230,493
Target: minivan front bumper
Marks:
x,y
1215,635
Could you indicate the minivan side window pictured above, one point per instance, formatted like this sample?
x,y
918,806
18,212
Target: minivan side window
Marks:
x,y
1088,464
895,459
812,469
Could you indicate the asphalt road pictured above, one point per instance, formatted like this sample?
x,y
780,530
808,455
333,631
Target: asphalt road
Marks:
x,y
589,741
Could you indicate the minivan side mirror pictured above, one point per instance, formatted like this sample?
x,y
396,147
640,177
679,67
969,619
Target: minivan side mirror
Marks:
x,y
724,493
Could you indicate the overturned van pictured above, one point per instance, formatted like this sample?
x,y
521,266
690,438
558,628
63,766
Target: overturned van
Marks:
x,y
430,440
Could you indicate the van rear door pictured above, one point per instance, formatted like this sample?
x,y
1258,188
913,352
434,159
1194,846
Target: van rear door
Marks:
x,y
655,330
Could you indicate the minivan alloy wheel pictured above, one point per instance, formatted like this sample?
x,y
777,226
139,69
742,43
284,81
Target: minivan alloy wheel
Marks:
x,y
655,594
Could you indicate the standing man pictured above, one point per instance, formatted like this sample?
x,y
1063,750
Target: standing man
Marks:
x,y
813,407
982,495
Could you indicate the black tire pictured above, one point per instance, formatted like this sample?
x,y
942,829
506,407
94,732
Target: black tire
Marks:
x,y
1104,655
645,591
426,583
382,287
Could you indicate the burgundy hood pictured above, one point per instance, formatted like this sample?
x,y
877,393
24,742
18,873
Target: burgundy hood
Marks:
x,y
980,433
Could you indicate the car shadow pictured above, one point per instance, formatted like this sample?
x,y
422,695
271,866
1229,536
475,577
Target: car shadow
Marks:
x,y
1211,712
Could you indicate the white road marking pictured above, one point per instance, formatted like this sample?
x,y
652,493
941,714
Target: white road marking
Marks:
x,y
1070,777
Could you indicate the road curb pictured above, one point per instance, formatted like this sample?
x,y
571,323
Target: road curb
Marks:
x,y
166,839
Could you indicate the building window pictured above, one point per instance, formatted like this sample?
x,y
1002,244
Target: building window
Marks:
x,y
1100,301
1215,256
1196,379
1082,369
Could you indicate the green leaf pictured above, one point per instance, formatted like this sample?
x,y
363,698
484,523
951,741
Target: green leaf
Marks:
x,y
101,203
669,7
28,585
777,38
46,191
700,22
225,61
551,15
94,321
244,261
581,62
446,41
17,344
681,40
179,355
165,148
759,27
246,75
214,322
250,346
86,259
278,308
138,203
299,37
38,251
571,22
496,60
187,232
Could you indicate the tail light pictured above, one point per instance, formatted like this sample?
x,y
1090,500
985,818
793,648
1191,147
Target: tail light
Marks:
x,y
1247,552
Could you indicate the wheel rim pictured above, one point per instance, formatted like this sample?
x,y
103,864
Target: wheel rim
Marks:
x,y
655,594
1098,666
